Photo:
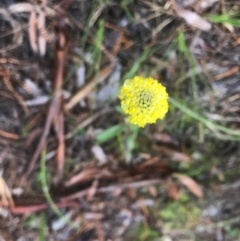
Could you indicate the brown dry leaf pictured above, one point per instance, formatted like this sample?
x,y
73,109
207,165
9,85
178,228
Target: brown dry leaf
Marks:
x,y
152,191
190,184
88,174
165,138
172,190
5,194
82,176
193,19
92,190
175,155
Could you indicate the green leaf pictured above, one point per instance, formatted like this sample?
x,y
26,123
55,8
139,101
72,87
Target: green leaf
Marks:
x,y
109,134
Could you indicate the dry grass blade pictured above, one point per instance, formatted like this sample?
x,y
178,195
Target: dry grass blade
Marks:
x,y
160,27
190,184
5,194
16,31
41,38
82,93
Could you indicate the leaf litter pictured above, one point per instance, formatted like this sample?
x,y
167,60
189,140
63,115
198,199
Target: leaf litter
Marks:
x,y
90,181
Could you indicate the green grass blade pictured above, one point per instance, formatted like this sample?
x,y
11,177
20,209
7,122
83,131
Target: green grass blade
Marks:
x,y
182,45
232,20
42,234
109,133
132,72
211,125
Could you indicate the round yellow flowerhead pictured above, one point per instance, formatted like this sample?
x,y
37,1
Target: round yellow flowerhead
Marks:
x,y
144,99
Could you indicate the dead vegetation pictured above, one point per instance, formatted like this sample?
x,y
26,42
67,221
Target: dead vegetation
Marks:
x,y
72,167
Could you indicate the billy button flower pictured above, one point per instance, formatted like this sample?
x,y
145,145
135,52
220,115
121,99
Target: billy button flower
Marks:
x,y
144,100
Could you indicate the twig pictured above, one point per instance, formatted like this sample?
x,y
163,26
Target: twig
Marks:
x,y
83,92
59,130
55,114
9,135
58,121
88,121
53,109
112,188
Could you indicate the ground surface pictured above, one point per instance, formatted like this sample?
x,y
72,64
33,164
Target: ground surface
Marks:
x,y
72,166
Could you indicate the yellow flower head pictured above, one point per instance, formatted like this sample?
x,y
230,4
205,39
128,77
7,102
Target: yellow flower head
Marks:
x,y
144,99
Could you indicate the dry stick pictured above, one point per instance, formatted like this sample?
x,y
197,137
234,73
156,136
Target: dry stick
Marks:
x,y
9,135
88,121
53,109
112,188
33,208
62,47
55,114
67,201
60,57
83,92
59,130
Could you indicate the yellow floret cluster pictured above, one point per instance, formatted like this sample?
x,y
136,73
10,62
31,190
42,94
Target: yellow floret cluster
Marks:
x,y
144,100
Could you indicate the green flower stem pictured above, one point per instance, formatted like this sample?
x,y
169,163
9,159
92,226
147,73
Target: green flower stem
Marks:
x,y
43,180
